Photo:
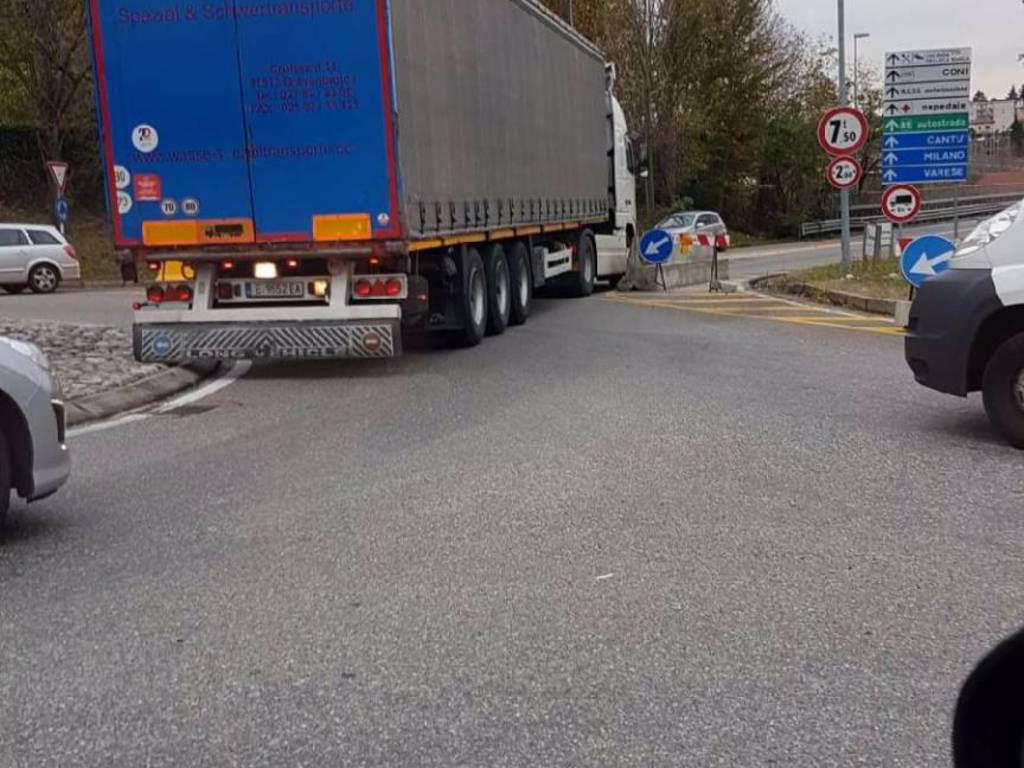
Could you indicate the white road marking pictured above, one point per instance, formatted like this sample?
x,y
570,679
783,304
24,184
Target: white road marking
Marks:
x,y
236,372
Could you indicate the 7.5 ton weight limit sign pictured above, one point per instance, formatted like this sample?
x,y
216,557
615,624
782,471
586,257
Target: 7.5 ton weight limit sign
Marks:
x,y
843,131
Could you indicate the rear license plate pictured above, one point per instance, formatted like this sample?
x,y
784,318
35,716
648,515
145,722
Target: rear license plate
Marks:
x,y
279,289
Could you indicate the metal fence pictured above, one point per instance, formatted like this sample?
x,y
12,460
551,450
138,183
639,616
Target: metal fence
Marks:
x,y
942,209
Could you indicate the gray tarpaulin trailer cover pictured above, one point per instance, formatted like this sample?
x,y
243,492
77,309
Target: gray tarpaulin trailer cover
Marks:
x,y
502,116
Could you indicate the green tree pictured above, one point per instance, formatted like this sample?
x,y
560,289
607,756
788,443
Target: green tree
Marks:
x,y
44,68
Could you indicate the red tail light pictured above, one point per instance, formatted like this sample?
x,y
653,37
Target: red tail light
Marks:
x,y
393,287
183,293
379,290
155,294
153,266
363,289
227,266
69,249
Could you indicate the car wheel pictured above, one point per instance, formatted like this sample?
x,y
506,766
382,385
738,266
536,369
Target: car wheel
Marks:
x,y
1003,390
5,480
12,289
522,283
44,278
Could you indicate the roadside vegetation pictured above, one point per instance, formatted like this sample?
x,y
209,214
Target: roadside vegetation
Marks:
x,y
878,279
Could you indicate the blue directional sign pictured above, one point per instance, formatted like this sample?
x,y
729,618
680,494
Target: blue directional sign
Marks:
x,y
60,209
656,246
927,140
924,174
926,257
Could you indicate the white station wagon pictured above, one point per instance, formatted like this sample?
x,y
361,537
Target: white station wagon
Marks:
x,y
35,256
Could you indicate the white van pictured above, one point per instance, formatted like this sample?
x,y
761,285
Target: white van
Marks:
x,y
966,329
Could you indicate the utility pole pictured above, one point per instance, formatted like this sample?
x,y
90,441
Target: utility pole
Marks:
x,y
844,101
571,24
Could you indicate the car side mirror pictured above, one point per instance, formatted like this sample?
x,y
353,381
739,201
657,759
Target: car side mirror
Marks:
x,y
987,728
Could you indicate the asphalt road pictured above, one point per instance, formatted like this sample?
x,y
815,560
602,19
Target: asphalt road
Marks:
x,y
107,307
758,261
619,536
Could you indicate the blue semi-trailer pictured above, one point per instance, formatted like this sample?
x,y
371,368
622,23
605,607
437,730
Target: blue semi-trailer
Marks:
x,y
309,178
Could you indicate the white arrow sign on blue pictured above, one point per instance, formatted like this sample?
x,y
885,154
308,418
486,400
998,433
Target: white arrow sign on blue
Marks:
x,y
926,257
656,246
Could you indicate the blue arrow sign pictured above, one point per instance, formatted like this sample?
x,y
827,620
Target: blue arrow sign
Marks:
x,y
905,157
656,246
924,174
60,209
926,257
933,140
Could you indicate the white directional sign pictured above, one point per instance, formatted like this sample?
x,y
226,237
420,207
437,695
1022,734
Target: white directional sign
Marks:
x,y
932,57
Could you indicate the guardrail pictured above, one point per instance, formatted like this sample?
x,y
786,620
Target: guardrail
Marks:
x,y
931,210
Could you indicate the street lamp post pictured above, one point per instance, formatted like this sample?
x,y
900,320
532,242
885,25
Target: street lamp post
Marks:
x,y
857,36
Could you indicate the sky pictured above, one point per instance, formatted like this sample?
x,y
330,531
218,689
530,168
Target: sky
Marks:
x,y
993,28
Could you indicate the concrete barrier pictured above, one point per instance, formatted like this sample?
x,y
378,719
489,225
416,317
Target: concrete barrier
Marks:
x,y
680,274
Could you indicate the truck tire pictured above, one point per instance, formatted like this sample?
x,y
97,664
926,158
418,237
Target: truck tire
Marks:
x,y
5,480
499,290
1003,390
473,301
582,280
522,283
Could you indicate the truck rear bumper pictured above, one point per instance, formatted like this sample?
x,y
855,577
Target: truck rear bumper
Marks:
x,y
275,340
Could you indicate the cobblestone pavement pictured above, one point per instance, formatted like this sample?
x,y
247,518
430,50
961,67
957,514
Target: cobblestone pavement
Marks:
x,y
87,358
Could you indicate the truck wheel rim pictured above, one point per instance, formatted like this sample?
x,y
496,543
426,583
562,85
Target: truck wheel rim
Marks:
x,y
1018,390
45,279
476,299
501,288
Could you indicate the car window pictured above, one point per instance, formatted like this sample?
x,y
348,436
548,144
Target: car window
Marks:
x,y
706,220
42,237
12,237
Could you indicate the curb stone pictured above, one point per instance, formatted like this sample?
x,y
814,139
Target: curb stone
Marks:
x,y
825,296
103,405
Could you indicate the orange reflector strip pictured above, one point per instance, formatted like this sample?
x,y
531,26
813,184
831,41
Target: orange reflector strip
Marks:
x,y
197,232
346,226
170,232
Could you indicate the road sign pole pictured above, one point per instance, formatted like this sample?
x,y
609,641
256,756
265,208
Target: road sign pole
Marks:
x,y
844,195
956,212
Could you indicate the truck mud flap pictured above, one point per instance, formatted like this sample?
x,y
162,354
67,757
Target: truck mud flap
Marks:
x,y
189,342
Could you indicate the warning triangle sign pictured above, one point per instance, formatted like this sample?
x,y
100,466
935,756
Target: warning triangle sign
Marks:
x,y
59,173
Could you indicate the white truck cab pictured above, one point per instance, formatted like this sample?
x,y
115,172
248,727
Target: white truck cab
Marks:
x,y
966,328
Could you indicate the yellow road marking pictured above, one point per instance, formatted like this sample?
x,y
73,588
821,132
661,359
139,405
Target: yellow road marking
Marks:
x,y
822,318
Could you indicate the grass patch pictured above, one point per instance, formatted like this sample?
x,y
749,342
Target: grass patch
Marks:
x,y
877,279
87,231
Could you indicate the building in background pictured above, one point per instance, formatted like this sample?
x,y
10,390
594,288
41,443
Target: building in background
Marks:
x,y
994,116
